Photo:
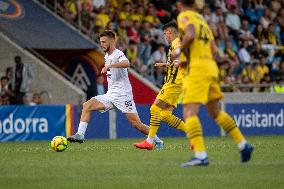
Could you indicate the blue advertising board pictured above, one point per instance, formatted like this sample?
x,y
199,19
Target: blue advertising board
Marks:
x,y
99,124
19,123
258,118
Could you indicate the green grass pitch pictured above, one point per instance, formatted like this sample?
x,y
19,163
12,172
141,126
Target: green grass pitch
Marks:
x,y
116,164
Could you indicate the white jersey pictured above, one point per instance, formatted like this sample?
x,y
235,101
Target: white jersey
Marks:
x,y
119,94
117,78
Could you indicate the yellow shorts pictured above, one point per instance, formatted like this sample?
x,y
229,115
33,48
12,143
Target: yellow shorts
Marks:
x,y
170,94
200,89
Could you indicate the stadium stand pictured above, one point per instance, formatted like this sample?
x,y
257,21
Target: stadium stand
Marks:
x,y
249,34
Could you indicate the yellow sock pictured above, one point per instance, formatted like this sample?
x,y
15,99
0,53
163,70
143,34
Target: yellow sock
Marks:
x,y
172,120
155,120
228,124
194,132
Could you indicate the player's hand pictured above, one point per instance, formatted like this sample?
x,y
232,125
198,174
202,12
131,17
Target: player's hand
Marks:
x,y
175,53
104,70
158,64
176,63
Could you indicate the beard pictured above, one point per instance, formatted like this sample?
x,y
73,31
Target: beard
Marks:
x,y
106,49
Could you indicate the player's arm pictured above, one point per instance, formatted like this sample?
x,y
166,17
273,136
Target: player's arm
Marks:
x,y
121,64
188,37
160,64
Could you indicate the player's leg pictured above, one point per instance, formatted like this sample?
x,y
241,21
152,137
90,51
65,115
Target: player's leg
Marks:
x,y
195,135
135,121
168,117
155,120
162,111
226,122
89,106
195,93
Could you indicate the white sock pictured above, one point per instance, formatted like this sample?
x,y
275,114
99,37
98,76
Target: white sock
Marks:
x,y
157,139
150,140
82,128
242,144
200,155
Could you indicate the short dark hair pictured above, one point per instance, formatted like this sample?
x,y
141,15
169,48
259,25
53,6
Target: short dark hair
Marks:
x,y
17,58
4,77
188,2
107,33
170,25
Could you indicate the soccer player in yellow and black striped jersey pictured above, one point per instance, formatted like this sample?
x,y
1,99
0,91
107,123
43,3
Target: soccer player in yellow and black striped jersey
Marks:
x,y
168,96
200,85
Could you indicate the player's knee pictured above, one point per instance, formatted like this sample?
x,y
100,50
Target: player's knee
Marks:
x,y
213,113
87,105
165,113
155,108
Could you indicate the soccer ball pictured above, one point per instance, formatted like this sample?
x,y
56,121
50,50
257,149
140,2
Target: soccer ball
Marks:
x,y
58,143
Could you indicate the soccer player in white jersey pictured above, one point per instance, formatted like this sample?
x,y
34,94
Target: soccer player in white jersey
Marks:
x,y
119,94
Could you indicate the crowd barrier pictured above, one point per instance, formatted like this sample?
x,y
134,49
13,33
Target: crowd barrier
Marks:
x,y
252,119
20,123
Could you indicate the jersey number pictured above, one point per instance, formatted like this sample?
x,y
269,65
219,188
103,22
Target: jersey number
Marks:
x,y
128,103
203,33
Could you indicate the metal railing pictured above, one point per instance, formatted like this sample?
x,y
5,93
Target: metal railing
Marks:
x,y
76,24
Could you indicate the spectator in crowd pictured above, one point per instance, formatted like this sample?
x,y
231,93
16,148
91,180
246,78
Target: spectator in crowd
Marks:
x,y
233,21
278,72
279,86
243,53
145,49
28,100
37,99
151,16
271,36
262,69
222,5
5,88
23,79
158,56
217,16
245,34
125,14
5,100
260,34
266,19
132,54
71,10
133,32
138,15
103,18
266,80
206,12
87,18
258,52
233,59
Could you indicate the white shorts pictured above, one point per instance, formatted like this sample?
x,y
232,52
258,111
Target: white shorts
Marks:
x,y
124,103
